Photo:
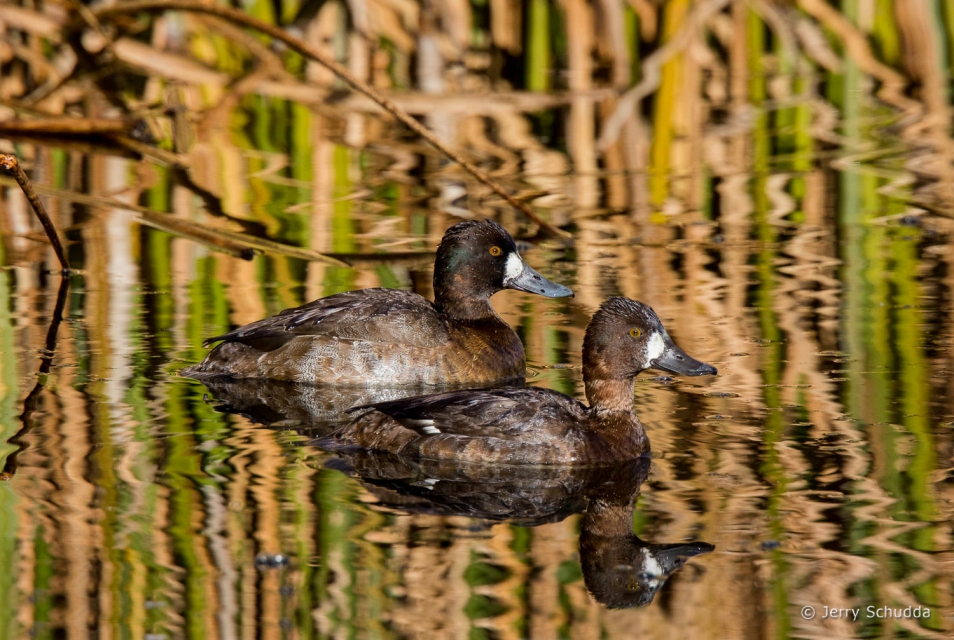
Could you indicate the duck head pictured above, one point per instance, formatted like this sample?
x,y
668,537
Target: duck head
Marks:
x,y
476,259
619,569
624,571
626,337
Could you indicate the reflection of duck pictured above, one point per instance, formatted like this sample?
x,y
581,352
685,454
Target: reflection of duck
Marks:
x,y
619,569
313,410
387,337
533,425
525,494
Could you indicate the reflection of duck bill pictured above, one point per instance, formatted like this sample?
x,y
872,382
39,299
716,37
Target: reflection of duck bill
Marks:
x,y
670,557
642,569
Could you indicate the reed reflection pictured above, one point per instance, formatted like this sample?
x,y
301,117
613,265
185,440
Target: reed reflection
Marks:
x,y
780,193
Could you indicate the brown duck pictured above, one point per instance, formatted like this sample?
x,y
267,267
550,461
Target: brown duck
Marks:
x,y
532,425
388,337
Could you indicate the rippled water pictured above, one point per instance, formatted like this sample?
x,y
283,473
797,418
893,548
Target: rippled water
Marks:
x,y
817,462
798,243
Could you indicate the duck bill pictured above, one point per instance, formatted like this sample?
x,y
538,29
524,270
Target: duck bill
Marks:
x,y
522,277
675,360
672,556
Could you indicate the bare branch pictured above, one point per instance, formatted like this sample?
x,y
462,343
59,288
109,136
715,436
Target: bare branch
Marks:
x,y
11,165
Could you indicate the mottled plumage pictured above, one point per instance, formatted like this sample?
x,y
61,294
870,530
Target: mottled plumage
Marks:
x,y
531,425
387,337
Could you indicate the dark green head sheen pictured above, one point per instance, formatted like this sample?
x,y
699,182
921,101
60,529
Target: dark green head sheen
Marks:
x,y
476,259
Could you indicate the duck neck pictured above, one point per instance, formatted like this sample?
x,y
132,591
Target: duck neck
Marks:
x,y
610,518
456,297
609,395
467,310
613,418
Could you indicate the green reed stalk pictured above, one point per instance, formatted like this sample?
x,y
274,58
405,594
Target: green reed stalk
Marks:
x,y
632,42
773,350
664,108
335,520
844,93
885,33
156,274
785,118
539,56
9,425
915,390
299,480
947,29
44,586
338,279
190,420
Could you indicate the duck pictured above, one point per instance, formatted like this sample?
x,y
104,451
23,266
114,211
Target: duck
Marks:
x,y
534,425
524,495
388,337
620,570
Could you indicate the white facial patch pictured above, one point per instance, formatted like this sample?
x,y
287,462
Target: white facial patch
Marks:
x,y
430,431
655,348
514,267
651,565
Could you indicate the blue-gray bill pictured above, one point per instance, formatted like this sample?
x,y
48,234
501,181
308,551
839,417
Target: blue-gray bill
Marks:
x,y
527,279
675,360
673,556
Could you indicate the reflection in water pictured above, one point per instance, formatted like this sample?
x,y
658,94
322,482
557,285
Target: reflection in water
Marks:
x,y
781,198
315,409
618,568
46,362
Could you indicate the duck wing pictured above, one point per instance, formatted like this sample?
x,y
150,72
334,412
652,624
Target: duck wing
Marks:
x,y
371,315
495,413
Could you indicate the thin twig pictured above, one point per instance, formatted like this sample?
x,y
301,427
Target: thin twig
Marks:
x,y
340,70
154,153
11,165
30,403
67,126
231,242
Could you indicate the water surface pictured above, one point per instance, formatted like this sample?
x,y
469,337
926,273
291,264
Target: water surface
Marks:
x,y
788,225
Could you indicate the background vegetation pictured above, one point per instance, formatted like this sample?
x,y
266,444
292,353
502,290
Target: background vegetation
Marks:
x,y
774,178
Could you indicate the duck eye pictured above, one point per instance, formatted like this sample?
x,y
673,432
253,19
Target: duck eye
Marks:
x,y
634,332
495,250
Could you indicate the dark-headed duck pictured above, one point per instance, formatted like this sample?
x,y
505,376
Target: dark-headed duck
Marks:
x,y
532,425
388,337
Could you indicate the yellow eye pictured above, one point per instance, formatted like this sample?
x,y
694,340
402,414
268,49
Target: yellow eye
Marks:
x,y
495,250
634,332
